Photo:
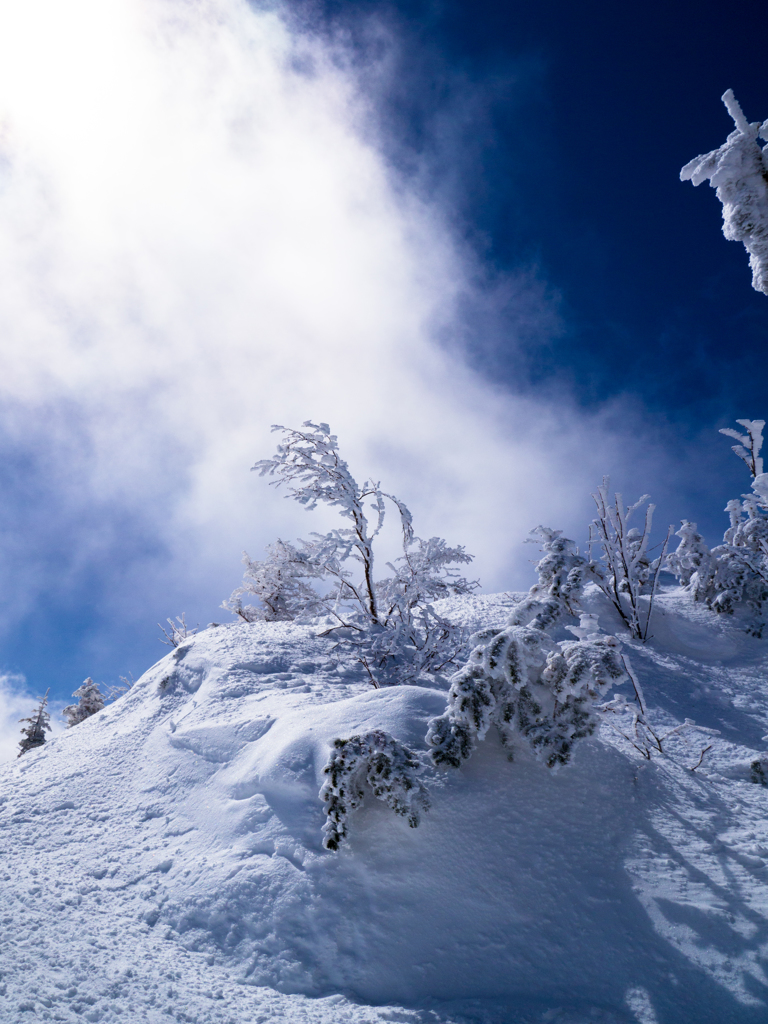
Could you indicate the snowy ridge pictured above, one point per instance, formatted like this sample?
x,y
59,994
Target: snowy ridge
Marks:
x,y
163,859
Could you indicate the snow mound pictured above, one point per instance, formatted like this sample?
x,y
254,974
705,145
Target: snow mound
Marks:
x,y
163,859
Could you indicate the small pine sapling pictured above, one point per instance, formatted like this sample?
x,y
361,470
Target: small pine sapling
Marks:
x,y
532,690
39,722
561,581
691,563
90,702
739,172
624,571
380,763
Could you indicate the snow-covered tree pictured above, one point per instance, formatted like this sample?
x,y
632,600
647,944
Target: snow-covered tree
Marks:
x,y
39,722
748,445
692,561
280,584
377,762
390,623
624,571
733,576
532,690
739,172
561,580
90,701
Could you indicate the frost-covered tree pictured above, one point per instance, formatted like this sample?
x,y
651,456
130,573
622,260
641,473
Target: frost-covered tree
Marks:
x,y
624,571
390,623
38,723
376,762
90,701
177,631
733,576
534,691
561,574
748,445
280,584
739,172
692,561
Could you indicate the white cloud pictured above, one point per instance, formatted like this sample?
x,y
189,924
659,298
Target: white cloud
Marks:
x,y
198,239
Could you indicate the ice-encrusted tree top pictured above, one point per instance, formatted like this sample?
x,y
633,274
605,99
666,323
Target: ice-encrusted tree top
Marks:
x,y
739,172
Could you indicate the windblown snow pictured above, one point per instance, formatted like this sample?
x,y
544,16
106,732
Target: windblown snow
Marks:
x,y
162,860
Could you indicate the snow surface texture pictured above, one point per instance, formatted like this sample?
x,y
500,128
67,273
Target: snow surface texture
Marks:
x,y
739,172
163,859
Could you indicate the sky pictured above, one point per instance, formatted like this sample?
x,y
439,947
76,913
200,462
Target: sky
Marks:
x,y
455,232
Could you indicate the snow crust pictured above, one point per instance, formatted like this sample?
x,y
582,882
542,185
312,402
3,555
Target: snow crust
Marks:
x,y
163,859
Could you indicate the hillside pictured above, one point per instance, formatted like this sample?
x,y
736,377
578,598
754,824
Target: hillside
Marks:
x,y
163,859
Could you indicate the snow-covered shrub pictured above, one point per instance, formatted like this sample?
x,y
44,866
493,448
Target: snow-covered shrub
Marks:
x,y
692,561
561,580
389,623
90,701
177,631
624,571
382,764
734,575
280,584
534,691
39,722
739,172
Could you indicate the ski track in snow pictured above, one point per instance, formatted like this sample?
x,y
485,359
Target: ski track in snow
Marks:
x,y
163,861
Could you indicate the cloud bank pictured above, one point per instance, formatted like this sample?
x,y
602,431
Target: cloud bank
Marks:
x,y
199,237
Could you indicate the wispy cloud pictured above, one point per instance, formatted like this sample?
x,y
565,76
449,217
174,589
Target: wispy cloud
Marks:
x,y
199,237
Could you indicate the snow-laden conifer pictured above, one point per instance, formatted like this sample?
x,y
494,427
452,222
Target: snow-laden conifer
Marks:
x,y
692,561
376,762
733,576
90,701
561,580
389,623
38,723
739,172
534,691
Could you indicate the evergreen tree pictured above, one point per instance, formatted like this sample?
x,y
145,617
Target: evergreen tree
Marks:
x,y
90,701
376,762
33,735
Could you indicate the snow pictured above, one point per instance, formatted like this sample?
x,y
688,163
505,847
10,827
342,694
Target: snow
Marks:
x,y
163,859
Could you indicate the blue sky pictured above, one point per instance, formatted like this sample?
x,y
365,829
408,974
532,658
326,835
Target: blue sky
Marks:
x,y
455,231
581,116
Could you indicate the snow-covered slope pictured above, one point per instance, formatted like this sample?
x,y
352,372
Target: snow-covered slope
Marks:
x,y
163,859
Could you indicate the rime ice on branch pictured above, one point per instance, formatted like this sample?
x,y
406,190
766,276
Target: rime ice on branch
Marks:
x,y
390,624
739,172
533,690
380,763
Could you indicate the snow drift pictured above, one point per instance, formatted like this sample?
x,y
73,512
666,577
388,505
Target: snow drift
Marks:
x,y
164,858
